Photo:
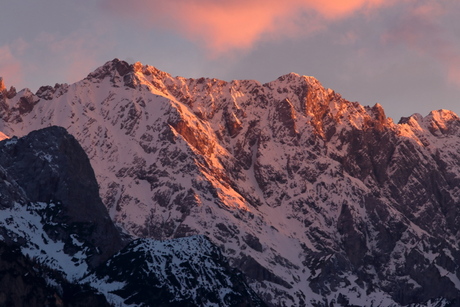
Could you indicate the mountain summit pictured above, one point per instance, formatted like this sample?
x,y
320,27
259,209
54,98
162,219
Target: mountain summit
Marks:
x,y
317,200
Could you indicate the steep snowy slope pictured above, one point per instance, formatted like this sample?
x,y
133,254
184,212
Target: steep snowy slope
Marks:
x,y
316,199
24,282
180,272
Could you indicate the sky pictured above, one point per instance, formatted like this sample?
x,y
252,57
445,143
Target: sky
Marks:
x,y
402,54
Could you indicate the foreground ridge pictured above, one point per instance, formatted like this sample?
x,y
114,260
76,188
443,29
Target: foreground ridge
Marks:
x,y
59,247
316,199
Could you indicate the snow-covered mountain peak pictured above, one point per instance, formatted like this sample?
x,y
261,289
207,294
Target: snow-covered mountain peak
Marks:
x,y
443,121
293,78
443,115
49,92
293,182
231,101
427,130
109,69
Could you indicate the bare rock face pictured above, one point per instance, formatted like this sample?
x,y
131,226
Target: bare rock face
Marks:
x,y
48,92
50,166
53,226
318,200
11,191
2,85
4,96
4,93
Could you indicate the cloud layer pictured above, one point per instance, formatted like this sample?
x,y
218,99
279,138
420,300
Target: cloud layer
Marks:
x,y
227,25
56,56
421,29
10,63
360,48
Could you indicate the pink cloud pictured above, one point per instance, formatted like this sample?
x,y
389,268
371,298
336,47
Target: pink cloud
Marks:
x,y
10,65
226,25
54,57
77,53
420,29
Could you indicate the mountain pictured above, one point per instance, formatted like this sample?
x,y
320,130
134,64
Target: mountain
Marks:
x,y
317,200
53,170
24,282
53,225
58,245
182,272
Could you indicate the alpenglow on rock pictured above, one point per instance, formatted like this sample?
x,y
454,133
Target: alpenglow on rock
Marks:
x,y
317,200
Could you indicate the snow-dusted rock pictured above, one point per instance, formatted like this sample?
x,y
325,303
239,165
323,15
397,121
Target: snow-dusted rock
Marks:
x,y
179,272
55,232
315,198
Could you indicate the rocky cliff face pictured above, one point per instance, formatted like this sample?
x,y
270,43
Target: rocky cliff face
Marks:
x,y
51,167
55,232
45,245
316,199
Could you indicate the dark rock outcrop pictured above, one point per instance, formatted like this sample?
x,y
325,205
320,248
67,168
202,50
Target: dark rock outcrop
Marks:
x,y
50,166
